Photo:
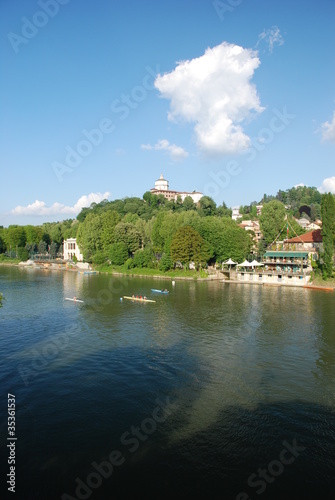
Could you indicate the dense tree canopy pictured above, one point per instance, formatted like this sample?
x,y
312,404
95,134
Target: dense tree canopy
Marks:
x,y
155,231
128,234
188,246
89,235
118,253
16,236
301,196
328,232
272,220
207,206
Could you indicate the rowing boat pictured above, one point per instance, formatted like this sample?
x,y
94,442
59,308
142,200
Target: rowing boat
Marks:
x,y
74,300
138,299
159,291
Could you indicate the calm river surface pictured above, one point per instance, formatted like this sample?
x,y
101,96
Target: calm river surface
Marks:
x,y
219,391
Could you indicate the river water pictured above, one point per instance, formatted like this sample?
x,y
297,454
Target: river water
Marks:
x,y
215,390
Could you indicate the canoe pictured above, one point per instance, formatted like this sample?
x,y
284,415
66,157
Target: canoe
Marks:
x,y
74,300
159,291
138,299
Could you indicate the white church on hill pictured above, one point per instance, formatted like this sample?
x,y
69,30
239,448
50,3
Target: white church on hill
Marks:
x,y
162,187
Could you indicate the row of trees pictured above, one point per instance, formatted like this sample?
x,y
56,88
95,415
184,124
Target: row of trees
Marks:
x,y
150,205
184,236
154,231
22,241
300,200
121,232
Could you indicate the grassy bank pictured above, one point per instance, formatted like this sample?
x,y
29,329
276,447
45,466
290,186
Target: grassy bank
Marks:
x,y
8,260
174,274
318,280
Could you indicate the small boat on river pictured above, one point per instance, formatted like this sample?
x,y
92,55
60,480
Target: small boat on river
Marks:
x,y
159,291
138,299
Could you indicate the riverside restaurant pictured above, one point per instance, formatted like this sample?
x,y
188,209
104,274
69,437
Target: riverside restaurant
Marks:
x,y
278,267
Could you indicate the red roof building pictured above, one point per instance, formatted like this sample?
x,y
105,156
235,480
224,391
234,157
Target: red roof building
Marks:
x,y
310,237
311,241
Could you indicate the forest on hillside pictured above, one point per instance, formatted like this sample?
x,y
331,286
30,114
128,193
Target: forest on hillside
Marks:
x,y
301,201
154,232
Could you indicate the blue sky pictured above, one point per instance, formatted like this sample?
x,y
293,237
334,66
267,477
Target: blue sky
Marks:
x,y
233,98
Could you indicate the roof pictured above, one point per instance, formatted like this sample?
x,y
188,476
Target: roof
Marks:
x,y
161,178
288,254
310,237
250,223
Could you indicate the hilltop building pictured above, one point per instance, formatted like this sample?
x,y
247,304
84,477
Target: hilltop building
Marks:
x,y
162,187
236,213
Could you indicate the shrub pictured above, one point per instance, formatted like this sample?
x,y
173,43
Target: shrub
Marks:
x,y
99,258
129,264
144,258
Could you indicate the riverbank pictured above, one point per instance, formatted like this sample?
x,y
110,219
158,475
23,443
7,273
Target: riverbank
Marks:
x,y
177,274
319,281
324,287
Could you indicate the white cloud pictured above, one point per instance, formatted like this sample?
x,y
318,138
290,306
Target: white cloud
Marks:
x,y
328,130
328,185
271,37
40,208
301,184
176,152
214,92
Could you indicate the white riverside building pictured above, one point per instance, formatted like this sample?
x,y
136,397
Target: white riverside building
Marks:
x,y
71,249
162,187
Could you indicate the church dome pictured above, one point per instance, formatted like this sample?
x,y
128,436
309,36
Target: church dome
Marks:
x,y
162,184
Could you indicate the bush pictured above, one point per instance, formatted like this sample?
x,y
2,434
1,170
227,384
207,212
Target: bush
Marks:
x,y
99,258
144,258
129,264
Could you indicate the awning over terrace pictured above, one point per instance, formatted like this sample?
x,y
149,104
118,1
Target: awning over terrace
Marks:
x,y
287,255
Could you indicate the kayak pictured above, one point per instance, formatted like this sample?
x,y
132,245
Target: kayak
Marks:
x,y
138,299
159,291
74,300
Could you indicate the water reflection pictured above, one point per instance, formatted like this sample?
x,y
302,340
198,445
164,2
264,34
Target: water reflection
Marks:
x,y
245,366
